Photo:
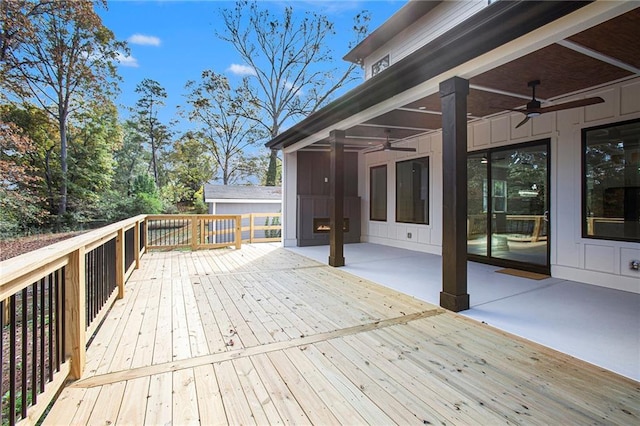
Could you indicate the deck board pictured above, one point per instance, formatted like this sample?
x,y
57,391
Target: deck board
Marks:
x,y
264,336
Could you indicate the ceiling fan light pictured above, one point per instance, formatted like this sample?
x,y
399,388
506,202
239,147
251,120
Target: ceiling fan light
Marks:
x,y
533,114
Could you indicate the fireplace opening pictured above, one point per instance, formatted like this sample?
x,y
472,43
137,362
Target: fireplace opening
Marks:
x,y
321,225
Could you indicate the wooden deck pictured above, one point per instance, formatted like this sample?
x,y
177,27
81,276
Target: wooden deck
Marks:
x,y
264,336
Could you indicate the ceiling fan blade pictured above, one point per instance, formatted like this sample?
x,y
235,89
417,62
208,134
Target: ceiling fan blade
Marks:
x,y
510,109
380,148
523,121
573,104
393,148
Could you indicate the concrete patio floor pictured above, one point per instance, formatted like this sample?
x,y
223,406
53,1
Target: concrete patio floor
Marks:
x,y
595,324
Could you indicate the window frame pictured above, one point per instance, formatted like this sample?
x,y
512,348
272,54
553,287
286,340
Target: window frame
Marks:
x,y
428,189
583,177
386,197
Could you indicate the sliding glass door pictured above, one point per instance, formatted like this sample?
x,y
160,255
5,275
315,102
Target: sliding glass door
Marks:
x,y
508,206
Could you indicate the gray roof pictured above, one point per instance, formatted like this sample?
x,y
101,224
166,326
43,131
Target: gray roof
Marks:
x,y
231,192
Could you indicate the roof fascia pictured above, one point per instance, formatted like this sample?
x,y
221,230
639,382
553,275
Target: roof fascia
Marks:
x,y
398,22
495,25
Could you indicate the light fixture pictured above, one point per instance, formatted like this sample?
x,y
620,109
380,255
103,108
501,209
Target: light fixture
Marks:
x,y
484,160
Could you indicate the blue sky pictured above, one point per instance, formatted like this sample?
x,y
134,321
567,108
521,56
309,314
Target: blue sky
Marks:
x,y
174,41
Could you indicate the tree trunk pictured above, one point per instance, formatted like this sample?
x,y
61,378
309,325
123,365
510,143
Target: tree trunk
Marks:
x,y
62,207
272,172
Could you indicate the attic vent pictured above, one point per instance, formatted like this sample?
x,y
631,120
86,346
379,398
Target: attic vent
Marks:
x,y
381,65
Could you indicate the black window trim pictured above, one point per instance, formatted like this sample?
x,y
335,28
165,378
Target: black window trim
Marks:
x,y
386,197
583,174
428,216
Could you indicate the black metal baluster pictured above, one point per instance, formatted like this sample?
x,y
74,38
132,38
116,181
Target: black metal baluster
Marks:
x,y
50,305
12,360
42,332
34,344
57,314
23,357
62,311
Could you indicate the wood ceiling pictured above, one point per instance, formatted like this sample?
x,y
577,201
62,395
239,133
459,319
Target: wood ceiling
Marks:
x,y
602,54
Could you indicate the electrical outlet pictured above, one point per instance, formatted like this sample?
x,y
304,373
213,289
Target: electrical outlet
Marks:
x,y
409,235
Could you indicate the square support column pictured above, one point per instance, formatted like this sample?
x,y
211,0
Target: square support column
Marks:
x,y
453,96
336,195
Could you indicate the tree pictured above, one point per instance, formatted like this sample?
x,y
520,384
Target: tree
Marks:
x,y
42,159
61,57
130,159
286,57
225,125
94,136
191,166
152,96
18,202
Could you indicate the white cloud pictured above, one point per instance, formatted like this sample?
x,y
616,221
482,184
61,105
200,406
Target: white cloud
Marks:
x,y
296,90
127,61
241,69
144,40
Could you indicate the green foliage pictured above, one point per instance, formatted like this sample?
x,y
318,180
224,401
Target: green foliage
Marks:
x,y
156,135
199,206
62,58
190,167
272,233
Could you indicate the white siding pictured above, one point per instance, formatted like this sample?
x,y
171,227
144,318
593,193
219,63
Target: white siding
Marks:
x,y
442,18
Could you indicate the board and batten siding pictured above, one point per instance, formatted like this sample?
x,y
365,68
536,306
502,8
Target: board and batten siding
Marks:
x,y
599,262
443,17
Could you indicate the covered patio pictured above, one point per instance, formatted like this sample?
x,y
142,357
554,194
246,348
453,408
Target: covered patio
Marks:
x,y
262,335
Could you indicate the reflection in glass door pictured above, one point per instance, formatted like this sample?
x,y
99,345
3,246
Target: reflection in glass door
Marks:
x,y
508,205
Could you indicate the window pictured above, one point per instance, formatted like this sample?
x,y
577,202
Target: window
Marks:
x,y
378,193
381,65
412,191
611,186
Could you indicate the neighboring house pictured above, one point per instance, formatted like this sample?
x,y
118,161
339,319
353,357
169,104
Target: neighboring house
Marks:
x,y
558,193
233,200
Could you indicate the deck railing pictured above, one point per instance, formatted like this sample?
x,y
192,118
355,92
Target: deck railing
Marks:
x,y
261,227
53,299
193,231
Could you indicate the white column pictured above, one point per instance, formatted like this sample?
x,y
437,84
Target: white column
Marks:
x,y
289,199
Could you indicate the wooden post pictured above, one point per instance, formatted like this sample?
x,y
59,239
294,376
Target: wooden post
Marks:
x,y
251,225
120,268
238,232
136,243
75,312
453,95
336,198
194,233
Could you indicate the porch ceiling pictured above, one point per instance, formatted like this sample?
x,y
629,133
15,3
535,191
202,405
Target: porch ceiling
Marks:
x,y
602,54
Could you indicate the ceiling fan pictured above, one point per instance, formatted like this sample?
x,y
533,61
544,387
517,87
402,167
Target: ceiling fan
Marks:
x,y
386,146
534,108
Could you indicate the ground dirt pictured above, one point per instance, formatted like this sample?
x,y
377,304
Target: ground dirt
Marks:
x,y
15,247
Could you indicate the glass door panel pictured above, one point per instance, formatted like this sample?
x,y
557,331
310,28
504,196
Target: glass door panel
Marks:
x,y
477,204
519,204
508,205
